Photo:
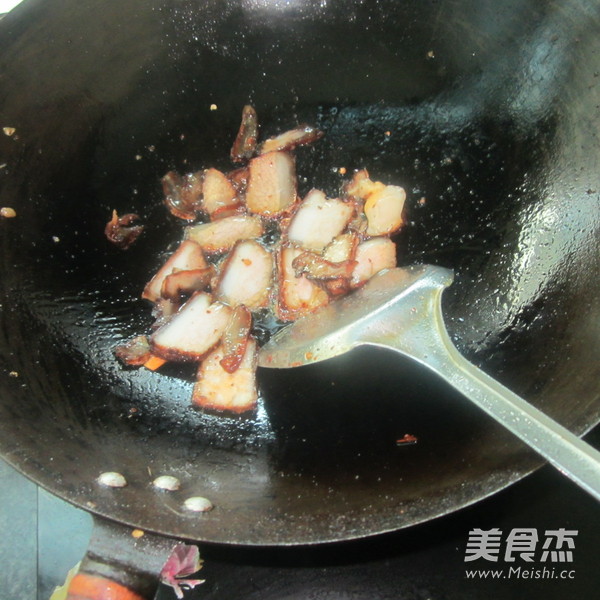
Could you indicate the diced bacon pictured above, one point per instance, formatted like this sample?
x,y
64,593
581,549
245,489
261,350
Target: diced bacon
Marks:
x,y
290,139
360,186
373,256
188,256
318,220
384,209
134,352
271,184
219,194
245,142
235,338
181,283
297,296
193,331
217,390
220,236
183,195
247,276
342,248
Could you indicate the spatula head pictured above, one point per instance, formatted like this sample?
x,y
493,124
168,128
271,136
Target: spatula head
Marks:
x,y
336,328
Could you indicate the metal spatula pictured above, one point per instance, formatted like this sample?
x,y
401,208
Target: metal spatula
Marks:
x,y
400,309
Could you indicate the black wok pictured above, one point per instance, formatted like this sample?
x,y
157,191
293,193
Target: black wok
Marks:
x,y
487,110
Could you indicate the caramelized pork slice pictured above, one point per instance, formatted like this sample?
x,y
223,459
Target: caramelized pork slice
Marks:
x,y
188,256
342,247
220,236
219,196
245,142
134,352
271,184
235,338
318,220
373,256
315,267
183,195
217,390
183,283
304,134
384,209
246,276
193,331
297,296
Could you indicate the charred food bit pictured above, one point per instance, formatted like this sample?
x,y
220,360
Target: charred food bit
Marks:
x,y
122,231
7,212
187,257
218,390
193,331
271,184
183,283
183,195
220,236
305,134
245,142
318,220
247,276
135,352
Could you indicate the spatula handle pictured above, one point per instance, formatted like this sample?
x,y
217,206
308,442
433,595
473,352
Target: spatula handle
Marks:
x,y
423,336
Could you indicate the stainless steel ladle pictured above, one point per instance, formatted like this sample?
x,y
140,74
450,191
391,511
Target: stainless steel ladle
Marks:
x,y
400,309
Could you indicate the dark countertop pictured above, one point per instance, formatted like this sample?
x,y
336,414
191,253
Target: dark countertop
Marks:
x,y
42,537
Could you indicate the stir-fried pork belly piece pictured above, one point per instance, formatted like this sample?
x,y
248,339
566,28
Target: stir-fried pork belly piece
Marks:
x,y
373,256
183,195
134,352
183,283
187,257
235,338
219,195
318,220
305,134
245,142
246,276
271,188
384,208
342,247
297,296
122,231
220,236
218,390
315,267
193,331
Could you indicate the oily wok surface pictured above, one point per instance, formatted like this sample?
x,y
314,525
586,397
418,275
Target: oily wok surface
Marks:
x,y
487,111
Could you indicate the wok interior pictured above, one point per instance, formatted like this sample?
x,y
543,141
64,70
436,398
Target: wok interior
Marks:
x,y
483,111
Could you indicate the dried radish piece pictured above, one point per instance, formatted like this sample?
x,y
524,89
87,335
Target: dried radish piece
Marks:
x,y
300,136
217,390
235,338
297,296
187,257
193,331
220,236
271,187
318,220
247,276
373,256
245,142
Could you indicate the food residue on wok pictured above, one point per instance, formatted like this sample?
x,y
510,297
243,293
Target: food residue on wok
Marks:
x,y
251,245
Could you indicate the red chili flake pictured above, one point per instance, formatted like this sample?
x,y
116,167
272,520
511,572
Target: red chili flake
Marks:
x,y
407,440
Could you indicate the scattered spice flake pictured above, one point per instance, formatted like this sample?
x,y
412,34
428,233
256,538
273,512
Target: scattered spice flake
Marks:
x,y
431,54
342,170
137,533
213,107
9,131
407,440
55,239
13,374
7,212
422,201
388,133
